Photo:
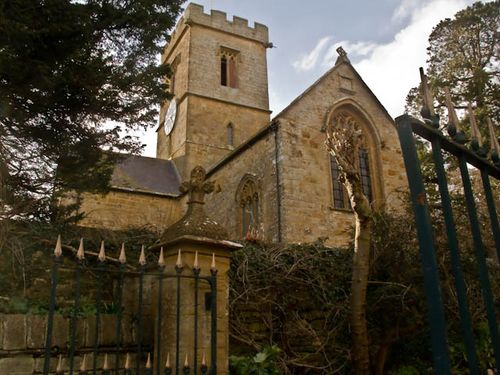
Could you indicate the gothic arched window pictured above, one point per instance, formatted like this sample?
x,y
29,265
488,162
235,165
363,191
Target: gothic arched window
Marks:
x,y
339,192
248,201
228,74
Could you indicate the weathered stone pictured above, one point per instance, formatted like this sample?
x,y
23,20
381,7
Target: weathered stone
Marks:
x,y
286,158
21,365
14,332
60,331
36,326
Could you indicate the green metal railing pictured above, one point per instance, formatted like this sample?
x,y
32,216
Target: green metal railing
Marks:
x,y
121,275
488,165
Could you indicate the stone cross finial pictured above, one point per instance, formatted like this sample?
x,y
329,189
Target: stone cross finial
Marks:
x,y
342,55
197,187
341,52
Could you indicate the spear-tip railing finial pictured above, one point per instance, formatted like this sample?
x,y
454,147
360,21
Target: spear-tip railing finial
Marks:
x,y
178,263
427,110
102,253
142,257
196,265
494,147
454,129
161,258
213,266
80,254
58,248
122,258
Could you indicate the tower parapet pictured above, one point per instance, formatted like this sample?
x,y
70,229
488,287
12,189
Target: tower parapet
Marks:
x,y
218,20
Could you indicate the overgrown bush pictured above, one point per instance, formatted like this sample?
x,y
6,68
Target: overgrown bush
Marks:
x,y
263,363
26,254
297,297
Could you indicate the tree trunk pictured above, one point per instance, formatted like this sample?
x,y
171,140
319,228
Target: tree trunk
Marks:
x,y
343,142
360,270
359,281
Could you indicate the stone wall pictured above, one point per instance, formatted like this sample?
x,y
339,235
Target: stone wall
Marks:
x,y
123,210
22,341
258,162
307,184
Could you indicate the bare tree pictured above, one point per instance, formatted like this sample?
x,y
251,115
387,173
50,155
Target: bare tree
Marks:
x,y
343,141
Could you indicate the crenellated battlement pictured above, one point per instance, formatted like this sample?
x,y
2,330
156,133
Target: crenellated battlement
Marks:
x,y
195,14
218,20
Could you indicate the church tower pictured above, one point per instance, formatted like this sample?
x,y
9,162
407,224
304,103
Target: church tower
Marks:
x,y
219,85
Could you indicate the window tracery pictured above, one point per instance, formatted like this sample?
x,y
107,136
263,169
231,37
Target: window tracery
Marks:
x,y
361,160
248,199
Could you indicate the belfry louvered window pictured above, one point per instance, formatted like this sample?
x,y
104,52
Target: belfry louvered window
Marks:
x,y
228,68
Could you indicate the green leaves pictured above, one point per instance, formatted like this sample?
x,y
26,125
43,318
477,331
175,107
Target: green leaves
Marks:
x,y
263,363
463,54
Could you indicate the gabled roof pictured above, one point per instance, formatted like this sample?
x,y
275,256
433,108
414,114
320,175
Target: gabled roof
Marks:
x,y
146,175
341,60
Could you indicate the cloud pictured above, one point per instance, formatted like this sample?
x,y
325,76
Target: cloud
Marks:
x,y
355,50
406,8
309,61
390,69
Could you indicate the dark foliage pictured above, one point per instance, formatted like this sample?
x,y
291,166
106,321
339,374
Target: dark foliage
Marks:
x,y
463,54
69,69
297,297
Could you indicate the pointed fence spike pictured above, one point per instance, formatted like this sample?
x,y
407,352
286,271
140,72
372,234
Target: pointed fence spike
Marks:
x,y
203,359
122,258
426,93
148,362
476,135
102,253
80,254
167,363
196,265
142,257
59,367
83,365
495,148
161,259
105,366
452,114
58,249
127,362
178,263
213,267
186,361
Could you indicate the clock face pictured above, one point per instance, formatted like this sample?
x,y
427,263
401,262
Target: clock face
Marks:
x,y
170,117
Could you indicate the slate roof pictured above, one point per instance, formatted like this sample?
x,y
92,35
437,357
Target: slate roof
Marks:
x,y
147,175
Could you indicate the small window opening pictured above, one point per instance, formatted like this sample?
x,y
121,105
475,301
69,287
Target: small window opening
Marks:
x,y
223,71
230,135
228,73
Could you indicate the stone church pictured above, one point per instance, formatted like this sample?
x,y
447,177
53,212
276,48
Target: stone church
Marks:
x,y
274,174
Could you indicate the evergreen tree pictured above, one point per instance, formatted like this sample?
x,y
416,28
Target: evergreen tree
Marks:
x,y
464,54
69,68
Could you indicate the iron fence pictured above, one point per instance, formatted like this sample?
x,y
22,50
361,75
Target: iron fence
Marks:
x,y
487,162
144,288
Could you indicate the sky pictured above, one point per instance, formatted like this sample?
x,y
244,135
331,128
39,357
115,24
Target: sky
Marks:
x,y
385,40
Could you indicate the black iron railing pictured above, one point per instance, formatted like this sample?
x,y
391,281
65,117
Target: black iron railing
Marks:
x,y
123,278
487,162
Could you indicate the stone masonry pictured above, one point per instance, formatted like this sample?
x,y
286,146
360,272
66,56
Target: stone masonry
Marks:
x,y
285,157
